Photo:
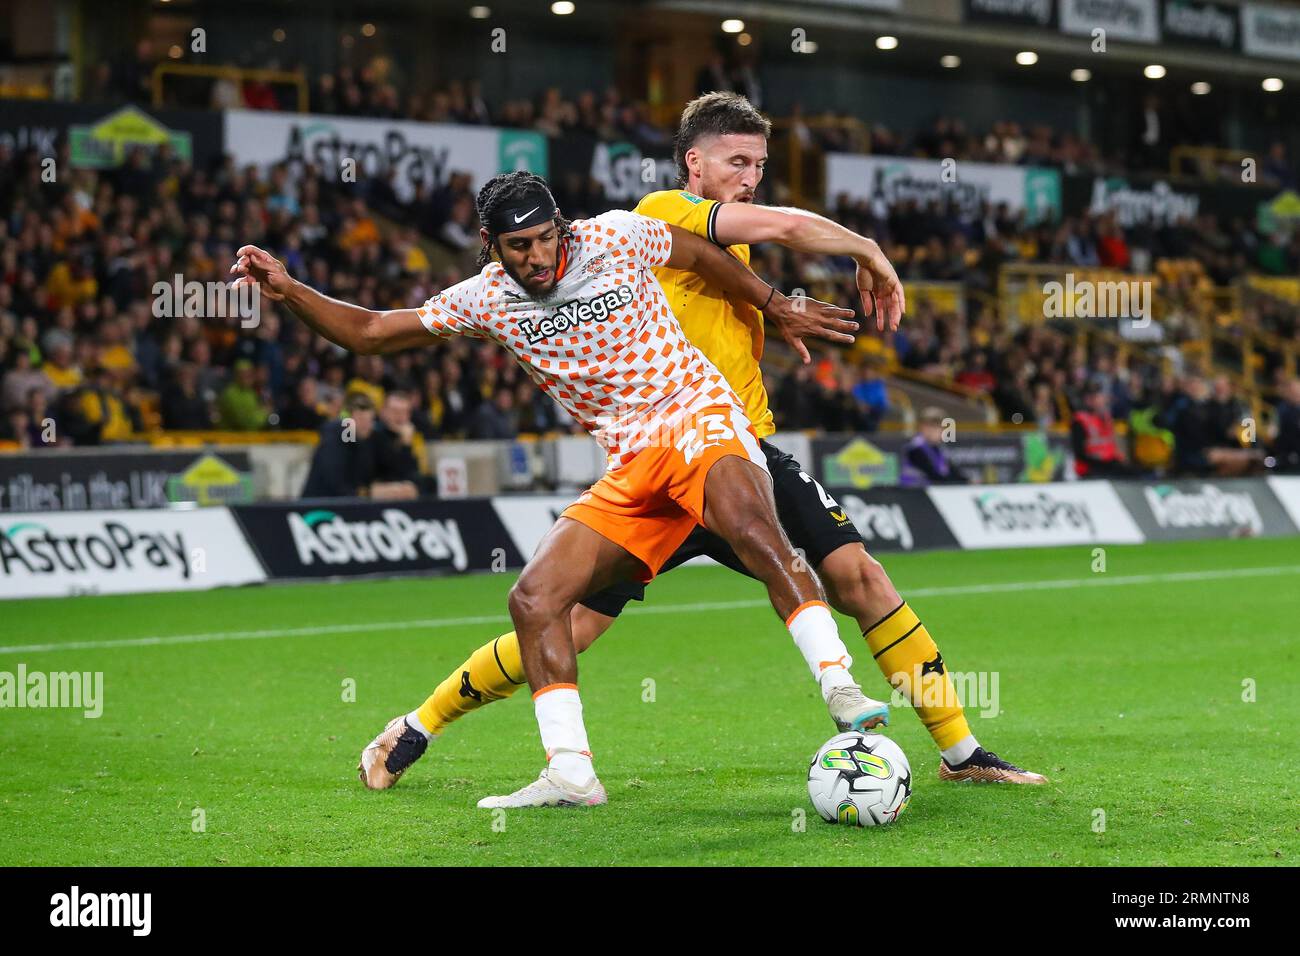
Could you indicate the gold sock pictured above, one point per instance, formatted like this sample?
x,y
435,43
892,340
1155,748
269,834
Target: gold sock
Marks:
x,y
493,672
911,662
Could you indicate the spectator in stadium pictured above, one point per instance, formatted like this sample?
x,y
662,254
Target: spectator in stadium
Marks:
x,y
14,430
21,378
368,379
1286,429
1150,136
303,410
183,406
102,413
132,75
398,448
70,283
975,372
1112,249
1097,451
837,409
460,232
796,404
36,425
430,414
495,418
60,368
1046,411
1187,416
537,412
344,464
871,397
211,379
239,406
1013,395
713,76
924,461
1225,413
1277,170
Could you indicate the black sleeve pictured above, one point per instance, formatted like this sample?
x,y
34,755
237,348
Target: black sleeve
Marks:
x,y
712,224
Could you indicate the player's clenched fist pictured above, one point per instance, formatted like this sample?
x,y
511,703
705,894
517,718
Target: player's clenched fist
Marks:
x,y
258,267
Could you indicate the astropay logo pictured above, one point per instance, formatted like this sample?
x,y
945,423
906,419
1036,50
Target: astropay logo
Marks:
x,y
1026,515
879,522
111,546
1210,507
396,536
1043,512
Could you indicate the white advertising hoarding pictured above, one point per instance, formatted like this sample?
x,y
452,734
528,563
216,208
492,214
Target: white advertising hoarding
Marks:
x,y
893,179
1269,31
1287,490
1135,20
1029,515
56,554
415,152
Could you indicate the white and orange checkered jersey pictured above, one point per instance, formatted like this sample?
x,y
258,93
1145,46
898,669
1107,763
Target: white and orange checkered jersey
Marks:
x,y
605,343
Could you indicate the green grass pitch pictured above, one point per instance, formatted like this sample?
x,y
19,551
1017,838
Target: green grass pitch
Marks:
x,y
1124,687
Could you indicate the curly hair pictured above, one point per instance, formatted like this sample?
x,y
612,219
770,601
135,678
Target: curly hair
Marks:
x,y
511,189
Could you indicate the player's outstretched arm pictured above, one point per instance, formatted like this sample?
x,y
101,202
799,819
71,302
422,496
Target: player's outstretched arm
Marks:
x,y
364,331
795,318
804,231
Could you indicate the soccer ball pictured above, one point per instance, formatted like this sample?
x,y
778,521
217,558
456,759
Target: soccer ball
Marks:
x,y
860,779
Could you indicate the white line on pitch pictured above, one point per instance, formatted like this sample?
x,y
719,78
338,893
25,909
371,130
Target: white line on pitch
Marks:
x,y
1100,580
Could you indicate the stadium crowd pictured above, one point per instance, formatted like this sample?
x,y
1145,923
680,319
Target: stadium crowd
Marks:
x,y
371,84
82,347
85,357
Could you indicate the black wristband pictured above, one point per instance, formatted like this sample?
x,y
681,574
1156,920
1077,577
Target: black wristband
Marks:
x,y
769,299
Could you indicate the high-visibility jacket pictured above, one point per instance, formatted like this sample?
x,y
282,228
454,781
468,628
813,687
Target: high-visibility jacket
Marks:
x,y
1099,439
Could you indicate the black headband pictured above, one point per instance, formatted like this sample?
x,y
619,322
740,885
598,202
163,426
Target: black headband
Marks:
x,y
538,208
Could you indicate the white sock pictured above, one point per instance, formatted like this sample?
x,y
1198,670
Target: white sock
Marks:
x,y
413,721
960,751
559,717
818,639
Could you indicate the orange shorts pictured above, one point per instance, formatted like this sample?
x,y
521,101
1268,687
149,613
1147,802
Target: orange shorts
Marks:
x,y
650,505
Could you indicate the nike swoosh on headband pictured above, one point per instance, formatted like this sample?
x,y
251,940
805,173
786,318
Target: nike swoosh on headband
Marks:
x,y
519,219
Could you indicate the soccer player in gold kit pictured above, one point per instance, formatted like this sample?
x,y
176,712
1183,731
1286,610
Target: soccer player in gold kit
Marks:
x,y
721,151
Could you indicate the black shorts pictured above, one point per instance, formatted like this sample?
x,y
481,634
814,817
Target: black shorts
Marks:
x,y
815,524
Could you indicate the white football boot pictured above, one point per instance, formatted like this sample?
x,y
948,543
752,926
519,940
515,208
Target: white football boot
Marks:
x,y
550,790
853,710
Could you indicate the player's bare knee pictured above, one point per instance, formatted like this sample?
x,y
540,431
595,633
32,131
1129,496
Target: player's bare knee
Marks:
x,y
529,604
